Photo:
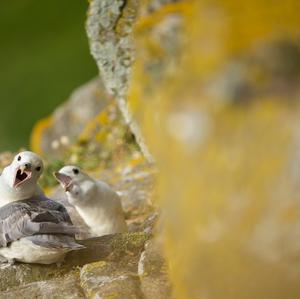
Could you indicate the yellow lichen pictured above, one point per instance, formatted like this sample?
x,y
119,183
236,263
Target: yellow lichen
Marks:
x,y
223,184
146,22
37,132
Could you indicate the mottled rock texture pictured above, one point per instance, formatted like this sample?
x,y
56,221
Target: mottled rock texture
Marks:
x,y
152,269
66,287
56,133
122,34
113,266
106,280
111,28
63,281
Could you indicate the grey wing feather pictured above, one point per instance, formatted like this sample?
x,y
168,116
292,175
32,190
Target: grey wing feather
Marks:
x,y
50,205
31,217
55,241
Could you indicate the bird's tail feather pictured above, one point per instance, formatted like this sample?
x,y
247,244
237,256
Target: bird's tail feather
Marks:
x,y
55,241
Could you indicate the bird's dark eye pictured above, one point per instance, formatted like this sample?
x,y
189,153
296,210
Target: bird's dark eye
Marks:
x,y
38,168
75,171
19,158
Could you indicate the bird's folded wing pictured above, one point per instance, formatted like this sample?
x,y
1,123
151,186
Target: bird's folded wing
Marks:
x,y
49,204
22,222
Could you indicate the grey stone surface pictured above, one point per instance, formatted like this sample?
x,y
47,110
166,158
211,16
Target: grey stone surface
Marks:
x,y
116,248
108,280
66,287
122,249
152,269
113,266
18,274
70,118
109,28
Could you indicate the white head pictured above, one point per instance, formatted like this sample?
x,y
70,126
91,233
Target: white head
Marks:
x,y
77,184
22,174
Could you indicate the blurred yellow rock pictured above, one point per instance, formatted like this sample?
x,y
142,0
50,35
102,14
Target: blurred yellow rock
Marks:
x,y
229,173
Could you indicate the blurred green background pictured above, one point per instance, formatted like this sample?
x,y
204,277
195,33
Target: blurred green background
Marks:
x,y
44,55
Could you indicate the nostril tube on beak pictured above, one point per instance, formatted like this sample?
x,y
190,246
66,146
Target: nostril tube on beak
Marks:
x,y
27,165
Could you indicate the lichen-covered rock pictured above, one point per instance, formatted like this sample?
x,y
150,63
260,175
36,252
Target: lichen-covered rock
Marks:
x,y
121,287
118,248
108,280
136,187
152,269
121,250
14,275
110,27
54,134
65,288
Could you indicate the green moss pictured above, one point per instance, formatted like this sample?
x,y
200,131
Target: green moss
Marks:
x,y
11,276
47,179
129,241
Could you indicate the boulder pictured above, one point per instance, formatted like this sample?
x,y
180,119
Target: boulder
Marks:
x,y
67,287
54,134
123,32
152,269
107,280
121,250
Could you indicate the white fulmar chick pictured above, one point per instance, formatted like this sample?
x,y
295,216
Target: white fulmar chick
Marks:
x,y
96,202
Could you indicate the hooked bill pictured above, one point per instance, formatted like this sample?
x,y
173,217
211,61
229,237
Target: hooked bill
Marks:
x,y
22,175
64,180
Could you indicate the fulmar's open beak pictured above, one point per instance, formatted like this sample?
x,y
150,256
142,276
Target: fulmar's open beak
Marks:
x,y
64,180
23,173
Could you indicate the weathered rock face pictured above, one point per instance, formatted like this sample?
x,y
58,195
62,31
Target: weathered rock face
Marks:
x,y
65,287
57,132
120,33
114,266
115,28
152,269
109,28
119,253
105,280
